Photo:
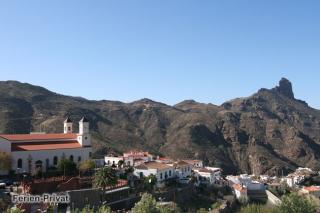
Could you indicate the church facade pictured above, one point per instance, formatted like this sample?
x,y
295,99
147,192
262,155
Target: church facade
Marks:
x,y
35,152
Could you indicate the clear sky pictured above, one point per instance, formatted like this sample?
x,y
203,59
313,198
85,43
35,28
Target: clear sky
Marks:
x,y
166,50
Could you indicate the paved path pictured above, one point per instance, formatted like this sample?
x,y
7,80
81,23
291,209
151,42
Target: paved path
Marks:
x,y
272,198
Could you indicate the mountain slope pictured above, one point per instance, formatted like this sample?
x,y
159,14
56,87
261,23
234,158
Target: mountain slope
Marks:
x,y
268,132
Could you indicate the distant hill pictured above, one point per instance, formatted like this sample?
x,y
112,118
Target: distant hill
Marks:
x,y
268,132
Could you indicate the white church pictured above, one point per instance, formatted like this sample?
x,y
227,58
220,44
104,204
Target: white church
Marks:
x,y
40,151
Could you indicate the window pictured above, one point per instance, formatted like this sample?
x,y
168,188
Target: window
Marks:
x,y
69,128
170,173
160,176
71,158
90,154
79,158
19,163
55,160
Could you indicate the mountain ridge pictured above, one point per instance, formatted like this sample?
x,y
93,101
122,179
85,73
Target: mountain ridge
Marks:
x,y
267,132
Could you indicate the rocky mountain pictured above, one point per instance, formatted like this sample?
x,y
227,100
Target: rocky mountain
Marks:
x,y
268,132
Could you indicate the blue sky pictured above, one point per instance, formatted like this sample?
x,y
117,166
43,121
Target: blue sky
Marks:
x,y
166,50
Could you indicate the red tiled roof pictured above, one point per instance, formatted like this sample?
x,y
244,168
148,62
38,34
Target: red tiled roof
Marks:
x,y
153,165
39,137
180,164
35,146
312,188
136,154
204,170
239,188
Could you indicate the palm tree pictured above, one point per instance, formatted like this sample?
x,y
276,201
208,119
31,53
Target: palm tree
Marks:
x,y
105,177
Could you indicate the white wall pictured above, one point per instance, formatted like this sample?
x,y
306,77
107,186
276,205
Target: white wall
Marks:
x,y
145,172
165,171
208,176
157,173
83,128
43,155
183,171
84,139
129,161
109,160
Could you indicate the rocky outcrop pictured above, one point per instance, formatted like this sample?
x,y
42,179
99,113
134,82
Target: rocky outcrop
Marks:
x,y
285,88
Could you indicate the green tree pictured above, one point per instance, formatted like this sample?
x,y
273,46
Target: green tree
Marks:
x,y
293,203
168,209
87,165
3,205
120,163
67,166
147,204
14,210
5,161
284,189
104,209
202,210
89,209
255,208
150,182
243,200
103,178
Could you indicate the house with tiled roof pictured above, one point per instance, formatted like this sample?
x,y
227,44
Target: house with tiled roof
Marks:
x,y
194,163
163,172
311,190
35,152
240,191
130,158
183,170
208,175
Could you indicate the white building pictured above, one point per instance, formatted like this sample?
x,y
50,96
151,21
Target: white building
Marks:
x,y
265,178
216,172
113,160
37,152
162,171
134,158
205,176
293,180
131,158
245,181
183,171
